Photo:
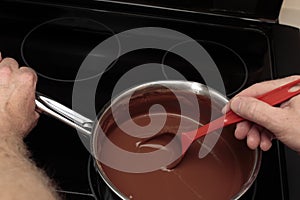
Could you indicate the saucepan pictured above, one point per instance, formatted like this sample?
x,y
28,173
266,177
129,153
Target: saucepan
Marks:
x,y
216,166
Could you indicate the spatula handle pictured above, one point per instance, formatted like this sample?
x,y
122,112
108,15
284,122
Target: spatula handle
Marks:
x,y
273,98
280,94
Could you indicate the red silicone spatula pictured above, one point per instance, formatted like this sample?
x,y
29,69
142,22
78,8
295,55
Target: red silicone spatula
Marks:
x,y
273,97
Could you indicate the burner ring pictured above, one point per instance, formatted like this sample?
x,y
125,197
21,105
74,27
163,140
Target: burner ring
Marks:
x,y
55,49
237,58
224,57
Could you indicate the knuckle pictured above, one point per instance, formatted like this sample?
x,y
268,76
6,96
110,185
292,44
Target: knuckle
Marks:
x,y
28,75
11,62
255,112
251,108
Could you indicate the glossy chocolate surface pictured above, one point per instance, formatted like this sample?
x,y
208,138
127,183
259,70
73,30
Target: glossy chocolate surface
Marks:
x,y
219,175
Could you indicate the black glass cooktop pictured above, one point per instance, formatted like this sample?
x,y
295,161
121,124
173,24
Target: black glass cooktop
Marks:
x,y
54,40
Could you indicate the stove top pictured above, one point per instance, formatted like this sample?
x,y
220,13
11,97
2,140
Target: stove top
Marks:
x,y
54,40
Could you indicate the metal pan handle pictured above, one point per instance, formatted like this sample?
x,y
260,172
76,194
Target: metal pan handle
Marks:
x,y
64,114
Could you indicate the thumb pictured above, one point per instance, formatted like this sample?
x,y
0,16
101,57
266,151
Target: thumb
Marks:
x,y
258,112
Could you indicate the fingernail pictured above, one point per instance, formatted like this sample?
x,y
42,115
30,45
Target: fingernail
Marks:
x,y
235,104
225,109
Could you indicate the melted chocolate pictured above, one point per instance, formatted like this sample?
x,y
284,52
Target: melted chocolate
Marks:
x,y
219,175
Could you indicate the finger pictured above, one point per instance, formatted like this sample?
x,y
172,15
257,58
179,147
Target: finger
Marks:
x,y
24,94
259,112
11,63
27,76
263,87
253,137
266,140
226,108
26,87
292,103
242,129
7,68
5,75
0,56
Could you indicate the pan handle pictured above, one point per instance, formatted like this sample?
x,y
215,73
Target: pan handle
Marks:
x,y
64,114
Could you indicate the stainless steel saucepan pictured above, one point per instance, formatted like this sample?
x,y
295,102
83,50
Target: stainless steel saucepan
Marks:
x,y
184,90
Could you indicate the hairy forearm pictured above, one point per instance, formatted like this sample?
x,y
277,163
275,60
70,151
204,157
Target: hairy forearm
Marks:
x,y
19,177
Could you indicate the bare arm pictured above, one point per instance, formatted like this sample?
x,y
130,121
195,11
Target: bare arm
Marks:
x,y
19,177
264,121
